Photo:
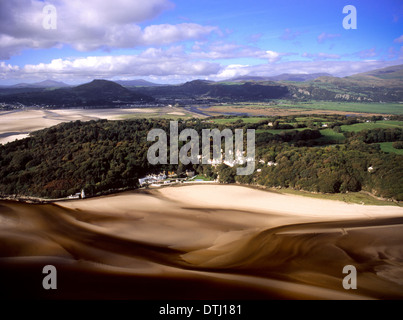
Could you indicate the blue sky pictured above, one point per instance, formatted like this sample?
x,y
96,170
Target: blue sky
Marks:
x,y
172,41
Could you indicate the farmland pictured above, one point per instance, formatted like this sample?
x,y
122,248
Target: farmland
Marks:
x,y
372,125
287,107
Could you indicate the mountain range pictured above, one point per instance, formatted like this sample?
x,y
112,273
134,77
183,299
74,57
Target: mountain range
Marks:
x,y
42,84
96,93
380,85
138,83
281,77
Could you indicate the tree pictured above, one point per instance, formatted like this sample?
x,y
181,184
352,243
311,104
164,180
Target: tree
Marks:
x,y
398,145
227,174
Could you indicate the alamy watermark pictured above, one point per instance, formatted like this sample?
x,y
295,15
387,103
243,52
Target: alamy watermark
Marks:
x,y
350,281
49,282
49,21
350,21
189,153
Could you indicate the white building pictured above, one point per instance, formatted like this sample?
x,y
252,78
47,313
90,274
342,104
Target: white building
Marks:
x,y
152,178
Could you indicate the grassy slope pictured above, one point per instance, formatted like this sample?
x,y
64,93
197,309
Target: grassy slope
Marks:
x,y
368,126
351,197
388,147
353,107
382,108
331,135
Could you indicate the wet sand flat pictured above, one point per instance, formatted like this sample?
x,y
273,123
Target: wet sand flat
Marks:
x,y
201,242
18,124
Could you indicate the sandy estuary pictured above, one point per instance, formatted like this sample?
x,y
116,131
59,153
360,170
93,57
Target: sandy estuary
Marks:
x,y
201,242
18,124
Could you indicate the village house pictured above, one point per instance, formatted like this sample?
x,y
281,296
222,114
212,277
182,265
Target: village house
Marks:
x,y
152,178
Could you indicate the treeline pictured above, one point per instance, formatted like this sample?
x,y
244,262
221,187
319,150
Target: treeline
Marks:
x,y
59,161
333,169
108,155
377,135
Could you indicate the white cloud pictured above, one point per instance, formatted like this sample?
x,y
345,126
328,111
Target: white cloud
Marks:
x,y
175,64
232,71
272,56
221,50
90,25
151,62
165,34
336,68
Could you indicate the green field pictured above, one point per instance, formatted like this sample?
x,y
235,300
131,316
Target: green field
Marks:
x,y
313,119
328,135
388,147
353,107
368,126
200,177
278,131
380,108
331,135
351,197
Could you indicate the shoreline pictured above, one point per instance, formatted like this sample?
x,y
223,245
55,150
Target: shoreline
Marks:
x,y
284,191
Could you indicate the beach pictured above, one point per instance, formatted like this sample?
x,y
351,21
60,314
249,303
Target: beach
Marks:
x,y
19,123
202,242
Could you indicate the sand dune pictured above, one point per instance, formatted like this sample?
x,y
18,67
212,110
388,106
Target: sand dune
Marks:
x,y
201,242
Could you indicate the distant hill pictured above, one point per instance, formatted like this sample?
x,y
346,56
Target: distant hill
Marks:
x,y
138,83
42,84
380,85
101,89
298,77
281,77
95,93
246,78
389,73
202,89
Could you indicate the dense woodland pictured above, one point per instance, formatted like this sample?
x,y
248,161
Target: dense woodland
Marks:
x,y
101,156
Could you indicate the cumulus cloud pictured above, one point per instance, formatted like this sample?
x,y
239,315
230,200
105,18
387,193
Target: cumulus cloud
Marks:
x,y
174,64
232,71
335,68
151,62
90,25
221,50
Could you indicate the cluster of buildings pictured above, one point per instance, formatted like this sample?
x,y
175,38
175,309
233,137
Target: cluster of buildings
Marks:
x,y
238,159
152,179
78,195
162,178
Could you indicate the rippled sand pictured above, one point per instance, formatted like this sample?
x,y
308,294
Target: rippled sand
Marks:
x,y
201,242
